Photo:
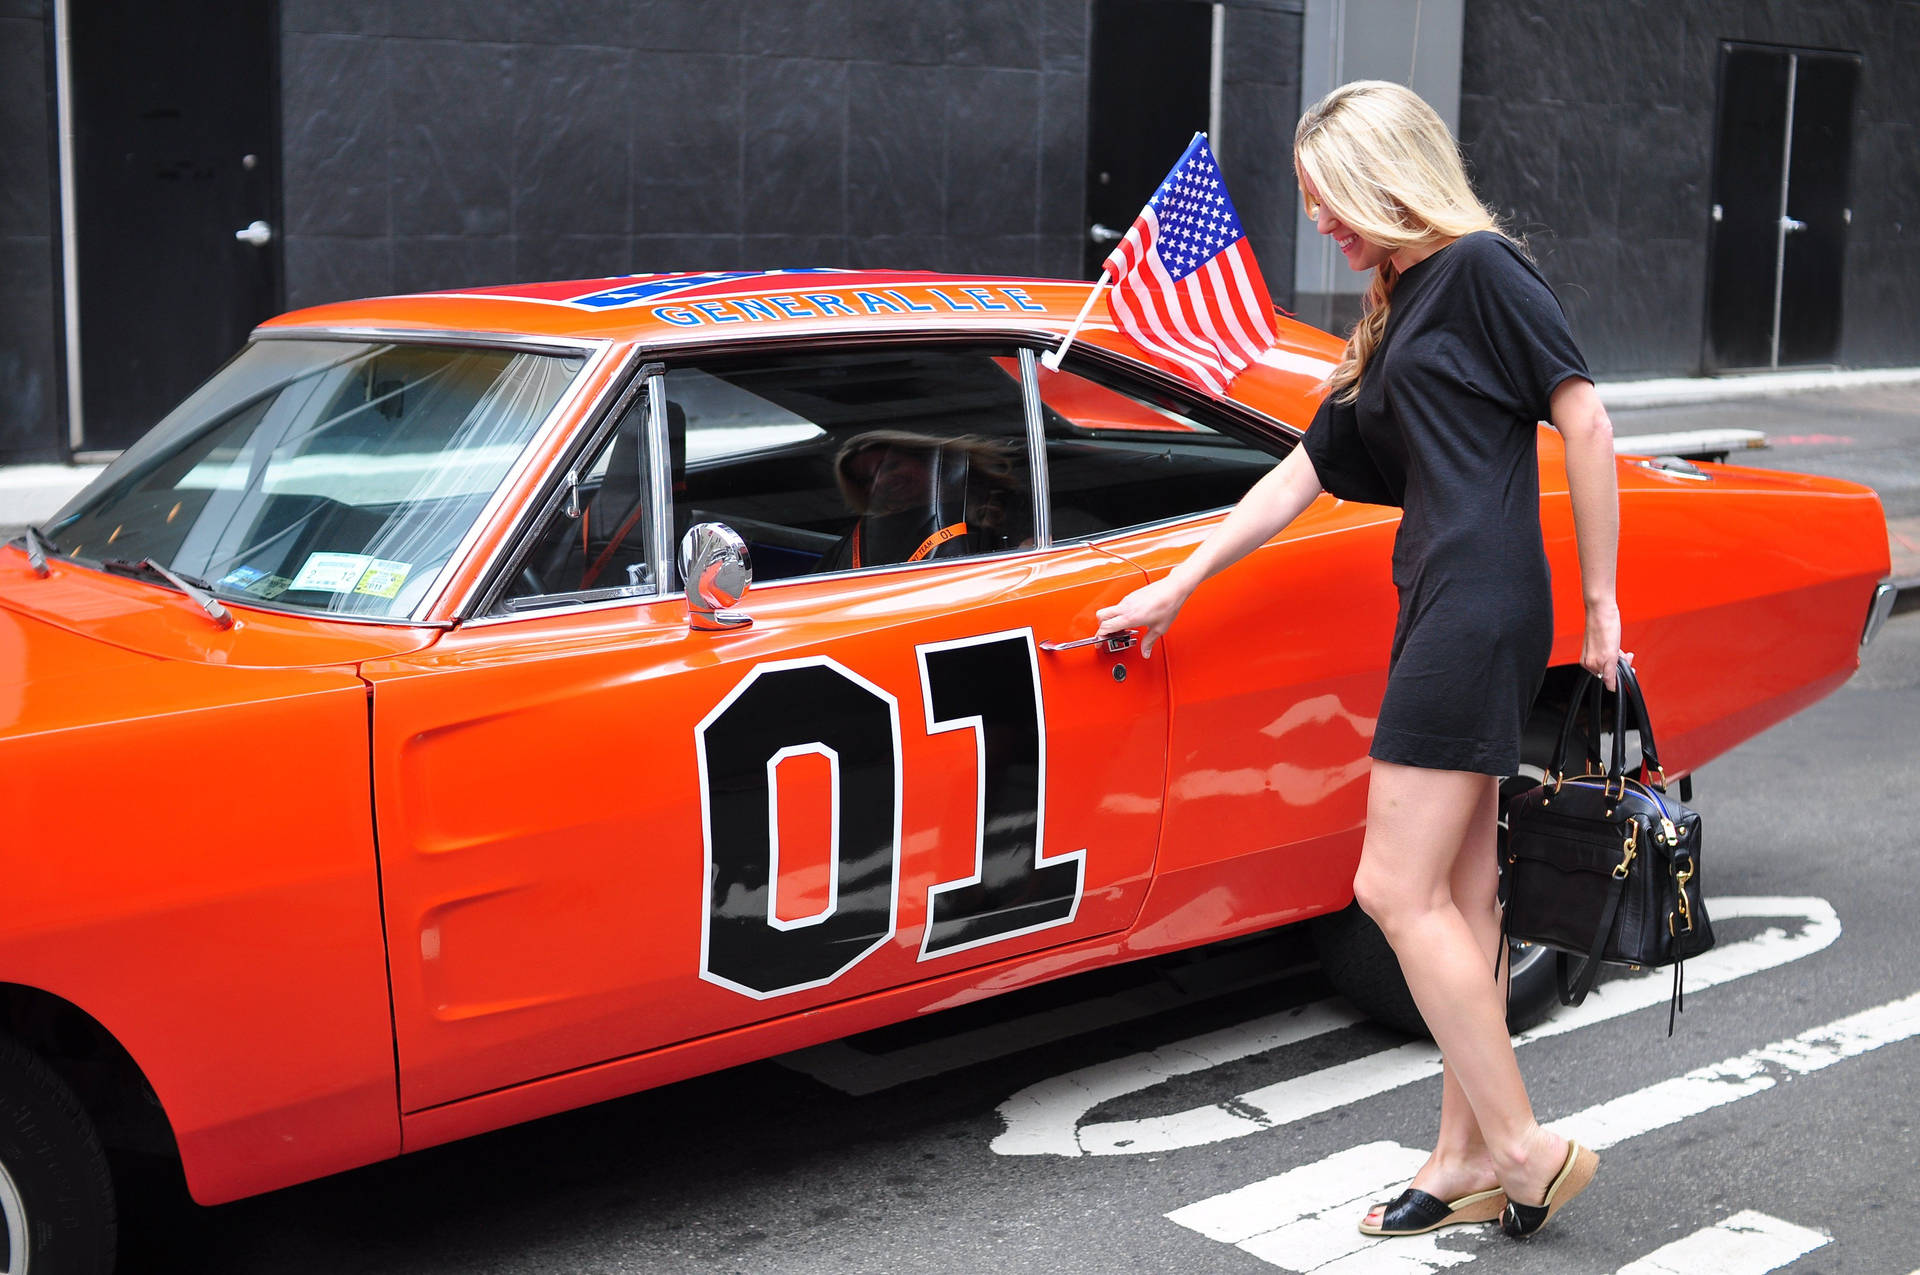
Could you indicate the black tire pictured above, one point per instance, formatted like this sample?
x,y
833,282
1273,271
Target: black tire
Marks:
x,y
1356,959
1362,967
56,1195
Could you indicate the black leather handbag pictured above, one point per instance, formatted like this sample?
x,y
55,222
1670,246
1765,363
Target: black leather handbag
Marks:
x,y
1604,866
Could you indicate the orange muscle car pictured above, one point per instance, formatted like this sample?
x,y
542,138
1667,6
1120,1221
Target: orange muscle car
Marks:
x,y
374,777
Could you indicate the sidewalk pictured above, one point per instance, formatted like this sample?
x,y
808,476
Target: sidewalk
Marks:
x,y
1651,415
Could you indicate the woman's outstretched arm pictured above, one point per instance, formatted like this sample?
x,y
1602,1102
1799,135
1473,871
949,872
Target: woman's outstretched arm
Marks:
x,y
1593,486
1272,503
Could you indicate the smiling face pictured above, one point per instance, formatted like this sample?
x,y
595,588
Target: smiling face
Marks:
x,y
1360,253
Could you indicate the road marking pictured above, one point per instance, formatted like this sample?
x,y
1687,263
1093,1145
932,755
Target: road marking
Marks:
x,y
856,1071
1304,1220
1044,1118
1747,1243
1033,1116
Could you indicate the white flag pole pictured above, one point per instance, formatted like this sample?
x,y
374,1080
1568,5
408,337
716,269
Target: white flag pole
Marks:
x,y
1051,359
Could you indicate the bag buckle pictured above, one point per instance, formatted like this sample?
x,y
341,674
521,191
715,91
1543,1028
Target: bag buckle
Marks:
x,y
1629,848
1685,909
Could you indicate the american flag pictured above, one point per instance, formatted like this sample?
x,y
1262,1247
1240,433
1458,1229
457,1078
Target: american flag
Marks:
x,y
1185,285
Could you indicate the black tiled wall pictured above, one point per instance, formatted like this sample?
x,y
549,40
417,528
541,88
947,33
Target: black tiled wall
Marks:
x,y
1590,125
445,143
29,364
1259,103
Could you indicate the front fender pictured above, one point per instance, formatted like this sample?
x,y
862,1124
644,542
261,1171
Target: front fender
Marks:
x,y
190,860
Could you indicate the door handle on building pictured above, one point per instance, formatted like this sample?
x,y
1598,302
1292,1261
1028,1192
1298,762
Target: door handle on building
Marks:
x,y
259,234
1104,234
1792,224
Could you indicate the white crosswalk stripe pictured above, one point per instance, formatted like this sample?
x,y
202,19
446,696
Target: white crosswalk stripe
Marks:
x,y
1044,1119
1747,1243
1304,1220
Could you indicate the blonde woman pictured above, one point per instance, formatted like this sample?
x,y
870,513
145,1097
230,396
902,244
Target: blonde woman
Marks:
x,y
1461,350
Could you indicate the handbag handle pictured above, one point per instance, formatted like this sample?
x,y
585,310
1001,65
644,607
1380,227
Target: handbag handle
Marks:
x,y
1629,711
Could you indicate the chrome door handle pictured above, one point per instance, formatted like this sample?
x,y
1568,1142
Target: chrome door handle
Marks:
x,y
1792,224
1115,641
1104,234
259,234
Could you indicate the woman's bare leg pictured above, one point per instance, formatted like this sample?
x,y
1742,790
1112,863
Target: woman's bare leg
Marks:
x,y
1417,822
1461,1164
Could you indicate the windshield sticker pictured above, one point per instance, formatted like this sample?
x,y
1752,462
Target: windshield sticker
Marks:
x,y
332,572
269,586
240,577
383,579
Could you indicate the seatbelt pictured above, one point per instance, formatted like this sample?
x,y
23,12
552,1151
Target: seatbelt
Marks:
x,y
927,546
599,564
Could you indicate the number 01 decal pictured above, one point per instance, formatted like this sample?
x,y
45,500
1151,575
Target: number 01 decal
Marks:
x,y
991,686
781,710
988,685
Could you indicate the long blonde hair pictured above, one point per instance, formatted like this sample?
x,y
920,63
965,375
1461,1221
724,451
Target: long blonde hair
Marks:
x,y
1384,163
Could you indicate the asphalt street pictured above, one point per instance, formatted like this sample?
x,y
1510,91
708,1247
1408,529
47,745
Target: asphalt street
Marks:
x,y
1211,1113
1216,1112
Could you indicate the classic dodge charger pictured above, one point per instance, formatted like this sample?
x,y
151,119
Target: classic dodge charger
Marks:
x,y
466,707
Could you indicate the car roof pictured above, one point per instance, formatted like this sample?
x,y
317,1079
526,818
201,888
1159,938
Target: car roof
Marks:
x,y
688,308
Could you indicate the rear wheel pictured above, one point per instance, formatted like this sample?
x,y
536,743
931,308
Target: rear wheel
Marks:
x,y
56,1196
1361,966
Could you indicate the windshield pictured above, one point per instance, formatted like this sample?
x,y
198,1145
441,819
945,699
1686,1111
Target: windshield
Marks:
x,y
330,476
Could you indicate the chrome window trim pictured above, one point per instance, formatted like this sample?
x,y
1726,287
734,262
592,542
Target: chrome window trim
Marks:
x,y
440,602
1256,421
1036,451
1025,340
626,383
659,479
759,588
1253,417
422,616
564,345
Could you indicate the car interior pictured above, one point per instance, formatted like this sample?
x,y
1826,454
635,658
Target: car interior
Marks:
x,y
862,457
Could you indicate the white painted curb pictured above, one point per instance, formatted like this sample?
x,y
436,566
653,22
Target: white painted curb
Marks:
x,y
1679,391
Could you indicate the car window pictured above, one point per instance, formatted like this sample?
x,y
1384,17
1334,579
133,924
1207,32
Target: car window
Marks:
x,y
331,476
599,543
1121,455
852,459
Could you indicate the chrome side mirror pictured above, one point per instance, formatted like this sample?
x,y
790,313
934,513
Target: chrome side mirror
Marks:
x,y
718,571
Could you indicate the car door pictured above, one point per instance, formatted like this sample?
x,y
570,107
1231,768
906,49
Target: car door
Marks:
x,y
603,831
1277,664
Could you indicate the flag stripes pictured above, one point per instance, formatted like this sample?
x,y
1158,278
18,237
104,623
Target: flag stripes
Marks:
x,y
1186,286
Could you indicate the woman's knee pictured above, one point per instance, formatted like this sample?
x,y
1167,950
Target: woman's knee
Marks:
x,y
1385,897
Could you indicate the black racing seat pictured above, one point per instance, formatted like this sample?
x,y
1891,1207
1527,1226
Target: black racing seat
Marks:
x,y
921,499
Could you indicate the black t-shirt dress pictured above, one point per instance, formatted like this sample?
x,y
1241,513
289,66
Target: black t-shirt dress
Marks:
x,y
1445,427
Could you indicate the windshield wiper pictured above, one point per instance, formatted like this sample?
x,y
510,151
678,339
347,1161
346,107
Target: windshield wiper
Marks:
x,y
38,547
194,589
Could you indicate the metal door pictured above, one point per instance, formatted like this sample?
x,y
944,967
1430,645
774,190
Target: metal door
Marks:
x,y
556,794
1781,169
1151,88
174,201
